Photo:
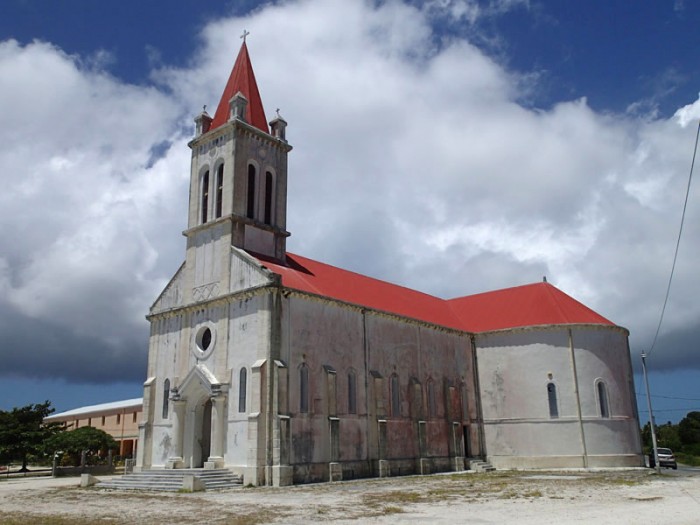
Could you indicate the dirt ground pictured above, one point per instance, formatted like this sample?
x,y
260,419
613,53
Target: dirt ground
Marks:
x,y
502,497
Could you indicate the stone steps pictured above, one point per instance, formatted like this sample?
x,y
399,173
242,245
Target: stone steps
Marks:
x,y
478,465
174,480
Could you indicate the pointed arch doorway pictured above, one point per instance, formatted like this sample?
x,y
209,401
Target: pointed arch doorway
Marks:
x,y
201,445
199,426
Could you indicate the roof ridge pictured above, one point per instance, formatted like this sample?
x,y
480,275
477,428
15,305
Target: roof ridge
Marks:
x,y
515,307
364,276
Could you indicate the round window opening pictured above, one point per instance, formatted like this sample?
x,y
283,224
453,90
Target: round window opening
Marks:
x,y
204,339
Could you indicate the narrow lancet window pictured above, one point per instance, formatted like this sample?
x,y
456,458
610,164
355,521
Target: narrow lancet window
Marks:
x,y
552,399
242,389
166,396
268,197
304,389
395,396
219,190
205,197
432,402
465,402
250,210
352,393
603,400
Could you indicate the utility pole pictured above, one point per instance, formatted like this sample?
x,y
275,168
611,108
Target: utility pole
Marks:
x,y
651,415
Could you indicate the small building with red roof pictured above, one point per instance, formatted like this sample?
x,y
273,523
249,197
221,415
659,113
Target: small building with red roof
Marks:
x,y
288,370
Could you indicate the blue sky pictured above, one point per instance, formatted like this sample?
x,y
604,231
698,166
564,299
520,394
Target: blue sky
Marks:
x,y
586,110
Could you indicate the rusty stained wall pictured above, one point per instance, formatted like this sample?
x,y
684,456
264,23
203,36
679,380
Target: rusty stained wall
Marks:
x,y
333,339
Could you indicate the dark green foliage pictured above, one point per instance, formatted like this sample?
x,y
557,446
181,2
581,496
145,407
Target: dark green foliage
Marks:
x,y
683,438
689,429
23,433
89,439
667,436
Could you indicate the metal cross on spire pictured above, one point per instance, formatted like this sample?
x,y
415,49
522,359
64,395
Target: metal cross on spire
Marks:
x,y
245,34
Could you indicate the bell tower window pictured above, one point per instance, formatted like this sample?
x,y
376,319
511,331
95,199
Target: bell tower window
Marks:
x,y
205,196
268,197
219,190
250,211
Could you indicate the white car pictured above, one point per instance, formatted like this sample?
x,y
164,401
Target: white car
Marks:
x,y
666,458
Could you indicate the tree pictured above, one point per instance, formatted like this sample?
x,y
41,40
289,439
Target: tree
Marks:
x,y
689,429
24,433
667,436
84,439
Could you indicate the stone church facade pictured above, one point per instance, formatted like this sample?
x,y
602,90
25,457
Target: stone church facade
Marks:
x,y
288,370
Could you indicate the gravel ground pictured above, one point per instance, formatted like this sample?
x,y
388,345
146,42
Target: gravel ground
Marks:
x,y
560,497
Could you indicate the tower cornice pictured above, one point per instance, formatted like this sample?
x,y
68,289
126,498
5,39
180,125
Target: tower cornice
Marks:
x,y
238,124
236,218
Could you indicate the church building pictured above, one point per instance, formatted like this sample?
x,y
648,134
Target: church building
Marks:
x,y
287,370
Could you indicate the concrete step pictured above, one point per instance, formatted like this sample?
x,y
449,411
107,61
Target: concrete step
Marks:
x,y
478,465
172,480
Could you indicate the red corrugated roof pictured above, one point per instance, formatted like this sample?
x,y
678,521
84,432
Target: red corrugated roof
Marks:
x,y
242,79
529,305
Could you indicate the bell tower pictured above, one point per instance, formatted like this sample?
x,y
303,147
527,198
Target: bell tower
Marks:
x,y
238,182
238,185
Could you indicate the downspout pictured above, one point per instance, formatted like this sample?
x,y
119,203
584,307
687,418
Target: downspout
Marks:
x,y
477,399
272,355
578,399
368,402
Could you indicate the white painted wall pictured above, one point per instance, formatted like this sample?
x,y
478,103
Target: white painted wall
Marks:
x,y
514,369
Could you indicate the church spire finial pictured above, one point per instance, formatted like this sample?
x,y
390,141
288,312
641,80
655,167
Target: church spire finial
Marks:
x,y
242,79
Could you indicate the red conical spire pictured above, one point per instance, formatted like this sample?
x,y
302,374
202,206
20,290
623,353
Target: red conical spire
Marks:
x,y
242,79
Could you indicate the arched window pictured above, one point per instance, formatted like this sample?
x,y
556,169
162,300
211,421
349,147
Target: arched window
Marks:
x,y
166,395
205,196
242,389
395,396
219,190
268,197
304,389
603,400
352,392
250,208
432,403
552,399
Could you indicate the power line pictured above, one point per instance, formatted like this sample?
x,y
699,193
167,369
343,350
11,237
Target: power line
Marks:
x,y
689,409
670,397
678,242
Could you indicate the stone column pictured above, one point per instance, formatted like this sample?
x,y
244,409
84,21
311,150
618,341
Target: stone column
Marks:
x,y
218,419
175,460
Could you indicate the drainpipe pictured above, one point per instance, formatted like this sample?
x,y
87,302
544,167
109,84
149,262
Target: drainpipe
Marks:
x,y
273,320
477,400
578,399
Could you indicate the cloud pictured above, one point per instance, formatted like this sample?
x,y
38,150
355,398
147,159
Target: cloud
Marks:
x,y
81,213
413,161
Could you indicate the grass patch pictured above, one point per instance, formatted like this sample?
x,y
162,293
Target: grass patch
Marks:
x,y
688,459
254,518
17,518
393,497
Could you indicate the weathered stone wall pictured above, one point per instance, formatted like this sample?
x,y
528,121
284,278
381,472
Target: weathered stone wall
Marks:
x,y
515,369
332,341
